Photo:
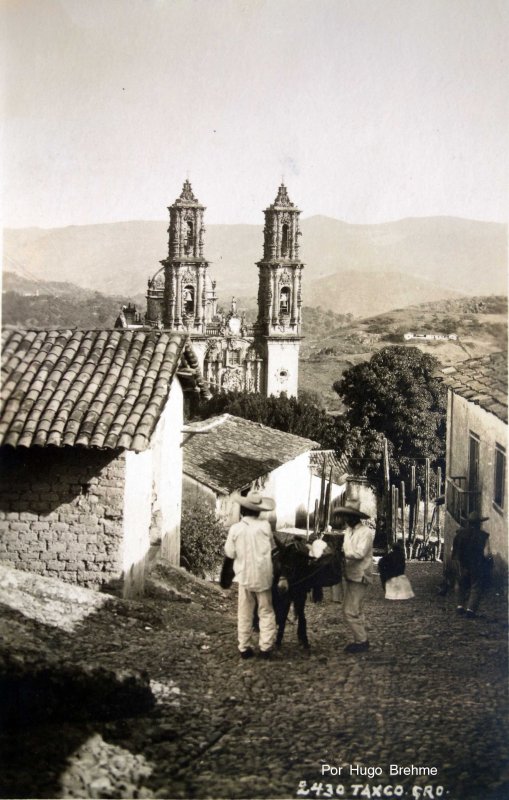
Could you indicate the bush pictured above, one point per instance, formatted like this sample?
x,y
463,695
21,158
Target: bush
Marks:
x,y
202,538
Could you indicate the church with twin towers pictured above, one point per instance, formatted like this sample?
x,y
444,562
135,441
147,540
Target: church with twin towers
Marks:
x,y
181,296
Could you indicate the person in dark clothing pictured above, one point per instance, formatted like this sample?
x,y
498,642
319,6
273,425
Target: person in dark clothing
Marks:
x,y
392,564
469,550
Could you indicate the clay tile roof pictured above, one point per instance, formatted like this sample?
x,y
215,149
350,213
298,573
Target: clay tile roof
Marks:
x,y
338,464
232,452
103,389
482,381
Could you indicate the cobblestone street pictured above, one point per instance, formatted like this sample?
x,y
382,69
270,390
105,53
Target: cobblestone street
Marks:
x,y
431,692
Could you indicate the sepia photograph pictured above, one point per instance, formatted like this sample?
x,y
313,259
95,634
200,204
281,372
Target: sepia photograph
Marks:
x,y
253,413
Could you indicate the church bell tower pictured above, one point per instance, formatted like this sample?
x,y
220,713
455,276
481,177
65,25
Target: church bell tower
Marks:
x,y
278,327
185,269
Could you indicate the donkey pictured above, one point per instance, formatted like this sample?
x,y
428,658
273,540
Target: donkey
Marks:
x,y
295,575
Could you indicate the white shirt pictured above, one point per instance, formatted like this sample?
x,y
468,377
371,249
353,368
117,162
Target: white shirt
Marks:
x,y
358,552
249,543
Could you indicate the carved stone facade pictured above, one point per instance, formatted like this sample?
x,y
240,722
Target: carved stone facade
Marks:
x,y
181,297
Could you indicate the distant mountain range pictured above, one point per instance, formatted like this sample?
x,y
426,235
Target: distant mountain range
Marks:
x,y
367,294
361,269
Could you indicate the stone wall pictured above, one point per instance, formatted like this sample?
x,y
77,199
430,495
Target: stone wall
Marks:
x,y
61,513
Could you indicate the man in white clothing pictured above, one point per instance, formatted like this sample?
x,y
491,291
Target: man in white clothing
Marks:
x,y
250,543
358,568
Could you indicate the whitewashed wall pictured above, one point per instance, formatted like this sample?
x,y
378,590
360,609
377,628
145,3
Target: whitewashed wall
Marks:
x,y
288,485
153,495
282,367
168,456
137,518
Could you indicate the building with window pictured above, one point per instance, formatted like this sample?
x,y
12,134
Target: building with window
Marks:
x,y
477,449
182,297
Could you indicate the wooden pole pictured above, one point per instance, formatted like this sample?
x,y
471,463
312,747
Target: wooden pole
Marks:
x,y
386,466
315,521
439,491
411,509
386,497
393,532
426,498
417,512
309,502
328,493
393,528
322,494
395,503
402,493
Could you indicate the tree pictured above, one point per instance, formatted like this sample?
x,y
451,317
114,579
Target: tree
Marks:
x,y
394,395
303,418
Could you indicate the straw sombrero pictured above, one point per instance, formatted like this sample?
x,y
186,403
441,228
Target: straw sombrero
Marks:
x,y
254,501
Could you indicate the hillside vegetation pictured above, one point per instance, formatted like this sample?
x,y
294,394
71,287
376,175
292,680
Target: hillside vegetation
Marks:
x,y
39,304
479,322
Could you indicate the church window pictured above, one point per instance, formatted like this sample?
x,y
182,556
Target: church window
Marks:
x,y
188,246
188,299
285,244
233,357
284,300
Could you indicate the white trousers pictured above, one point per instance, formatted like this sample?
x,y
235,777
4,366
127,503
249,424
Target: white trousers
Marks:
x,y
247,602
353,602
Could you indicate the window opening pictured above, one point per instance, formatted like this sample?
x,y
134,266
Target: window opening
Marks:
x,y
188,246
284,300
473,471
188,298
499,482
285,244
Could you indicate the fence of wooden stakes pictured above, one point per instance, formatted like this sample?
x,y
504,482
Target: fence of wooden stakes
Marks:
x,y
412,518
409,514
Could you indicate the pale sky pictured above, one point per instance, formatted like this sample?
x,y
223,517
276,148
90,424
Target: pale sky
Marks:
x,y
373,110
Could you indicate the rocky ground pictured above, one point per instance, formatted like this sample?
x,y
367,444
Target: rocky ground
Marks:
x,y
150,699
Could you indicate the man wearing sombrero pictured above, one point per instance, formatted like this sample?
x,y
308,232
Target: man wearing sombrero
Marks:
x,y
358,568
469,550
250,543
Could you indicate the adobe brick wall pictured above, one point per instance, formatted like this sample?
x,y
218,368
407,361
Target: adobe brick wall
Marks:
x,y
61,513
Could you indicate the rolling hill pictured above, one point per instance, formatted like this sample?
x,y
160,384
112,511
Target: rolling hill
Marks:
x,y
332,344
443,254
364,293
